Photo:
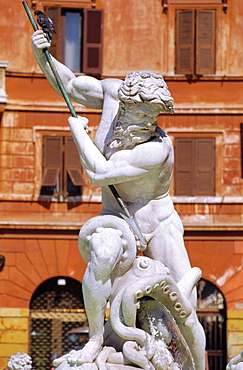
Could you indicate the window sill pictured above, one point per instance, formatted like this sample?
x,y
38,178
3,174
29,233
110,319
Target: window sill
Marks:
x,y
206,200
69,199
49,198
26,225
214,77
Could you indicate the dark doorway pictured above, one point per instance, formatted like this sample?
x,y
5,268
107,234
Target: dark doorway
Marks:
x,y
56,310
211,311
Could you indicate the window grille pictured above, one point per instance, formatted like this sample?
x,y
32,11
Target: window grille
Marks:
x,y
212,315
58,322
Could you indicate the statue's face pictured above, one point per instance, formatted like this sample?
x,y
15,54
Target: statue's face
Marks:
x,y
136,123
139,113
140,119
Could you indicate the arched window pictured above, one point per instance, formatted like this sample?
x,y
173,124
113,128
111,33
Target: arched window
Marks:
x,y
211,311
58,322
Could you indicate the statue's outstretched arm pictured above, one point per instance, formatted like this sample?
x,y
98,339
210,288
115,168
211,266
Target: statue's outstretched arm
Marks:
x,y
85,90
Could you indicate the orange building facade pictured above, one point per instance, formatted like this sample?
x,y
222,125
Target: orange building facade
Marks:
x,y
204,72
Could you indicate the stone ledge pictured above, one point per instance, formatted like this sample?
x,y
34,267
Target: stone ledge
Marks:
x,y
207,200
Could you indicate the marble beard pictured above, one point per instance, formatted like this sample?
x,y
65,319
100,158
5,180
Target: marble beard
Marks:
x,y
153,323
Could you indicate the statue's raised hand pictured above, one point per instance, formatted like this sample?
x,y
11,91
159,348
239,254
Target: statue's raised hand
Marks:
x,y
39,41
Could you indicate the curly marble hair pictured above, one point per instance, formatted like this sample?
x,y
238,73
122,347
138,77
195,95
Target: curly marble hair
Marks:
x,y
146,87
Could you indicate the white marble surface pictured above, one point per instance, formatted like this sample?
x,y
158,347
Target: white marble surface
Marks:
x,y
131,153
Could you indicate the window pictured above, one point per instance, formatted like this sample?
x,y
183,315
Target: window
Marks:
x,y
78,41
195,166
195,41
62,172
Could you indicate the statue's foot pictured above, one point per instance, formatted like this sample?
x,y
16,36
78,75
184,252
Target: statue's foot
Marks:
x,y
85,355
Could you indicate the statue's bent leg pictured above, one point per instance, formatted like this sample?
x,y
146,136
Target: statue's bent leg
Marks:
x,y
167,246
105,252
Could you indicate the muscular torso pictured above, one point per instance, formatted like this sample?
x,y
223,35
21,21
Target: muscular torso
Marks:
x,y
146,196
155,183
138,192
143,190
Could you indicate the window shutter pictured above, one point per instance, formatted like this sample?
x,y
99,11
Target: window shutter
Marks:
x,y
184,166
195,166
205,50
72,162
92,42
204,166
55,14
185,41
52,159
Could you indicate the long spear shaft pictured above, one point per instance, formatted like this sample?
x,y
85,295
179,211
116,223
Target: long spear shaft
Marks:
x,y
51,64
128,217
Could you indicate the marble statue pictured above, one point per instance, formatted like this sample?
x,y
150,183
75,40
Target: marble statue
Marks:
x,y
20,361
236,363
153,322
